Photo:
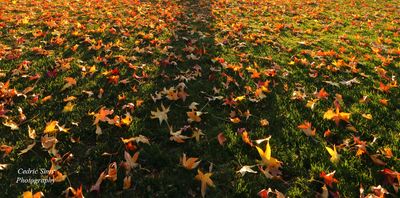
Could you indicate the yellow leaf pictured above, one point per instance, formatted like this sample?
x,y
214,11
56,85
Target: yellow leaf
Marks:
x,y
268,151
266,158
337,116
70,98
127,120
51,127
334,154
69,107
367,116
239,98
29,194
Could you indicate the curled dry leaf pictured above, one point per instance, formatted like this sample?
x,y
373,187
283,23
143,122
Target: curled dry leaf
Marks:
x,y
28,148
221,138
246,169
112,172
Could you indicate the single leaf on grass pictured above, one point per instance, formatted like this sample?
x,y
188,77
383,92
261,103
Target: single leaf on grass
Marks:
x,y
306,128
337,116
189,163
329,178
177,135
221,138
197,133
28,148
270,162
127,120
72,193
3,166
137,139
70,98
322,94
205,181
130,161
68,107
194,116
51,127
127,182
391,177
387,152
378,191
102,115
264,122
264,193
9,123
246,139
69,83
161,115
112,172
31,133
49,143
96,186
246,169
376,160
6,149
235,120
311,103
367,116
29,194
325,192
334,154
57,176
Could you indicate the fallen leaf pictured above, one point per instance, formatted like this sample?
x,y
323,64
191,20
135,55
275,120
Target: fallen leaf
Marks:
x,y
29,194
112,172
221,138
161,115
306,128
130,161
28,148
189,163
4,166
51,127
329,178
127,182
376,160
334,154
367,116
205,181
336,116
194,116
68,107
246,169
31,133
9,123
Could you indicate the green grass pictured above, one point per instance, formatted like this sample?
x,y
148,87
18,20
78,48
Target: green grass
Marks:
x,y
154,39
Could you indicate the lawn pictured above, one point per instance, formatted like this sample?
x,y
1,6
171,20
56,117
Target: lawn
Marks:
x,y
191,98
